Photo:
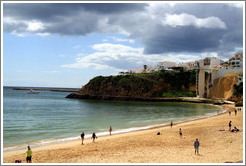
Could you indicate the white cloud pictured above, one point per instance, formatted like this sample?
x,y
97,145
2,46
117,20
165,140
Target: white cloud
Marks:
x,y
30,26
123,40
237,4
52,71
34,25
121,57
209,54
185,19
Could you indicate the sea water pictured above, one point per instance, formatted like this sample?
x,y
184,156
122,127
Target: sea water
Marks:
x,y
48,117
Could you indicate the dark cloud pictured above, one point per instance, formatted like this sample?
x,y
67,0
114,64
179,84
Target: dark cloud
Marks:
x,y
186,39
136,20
49,10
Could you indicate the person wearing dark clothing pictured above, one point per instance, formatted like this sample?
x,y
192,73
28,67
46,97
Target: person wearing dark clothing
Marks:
x,y
196,146
235,111
235,130
230,126
171,124
180,132
110,130
82,137
94,136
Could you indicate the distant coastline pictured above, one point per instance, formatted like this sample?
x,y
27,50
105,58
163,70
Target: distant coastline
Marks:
x,y
45,89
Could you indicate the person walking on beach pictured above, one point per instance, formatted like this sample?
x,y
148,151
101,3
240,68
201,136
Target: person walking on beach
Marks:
x,y
230,126
196,146
110,130
29,155
171,124
180,133
82,137
94,136
229,112
235,111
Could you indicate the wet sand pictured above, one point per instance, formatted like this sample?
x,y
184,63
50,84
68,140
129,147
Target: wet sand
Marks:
x,y
147,147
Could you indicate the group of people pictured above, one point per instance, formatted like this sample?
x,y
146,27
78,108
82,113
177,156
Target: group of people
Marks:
x,y
233,130
82,135
234,111
28,157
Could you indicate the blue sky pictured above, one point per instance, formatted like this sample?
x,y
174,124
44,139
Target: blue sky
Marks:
x,y
66,45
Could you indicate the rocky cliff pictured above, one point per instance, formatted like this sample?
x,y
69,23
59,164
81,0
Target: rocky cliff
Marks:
x,y
138,86
224,87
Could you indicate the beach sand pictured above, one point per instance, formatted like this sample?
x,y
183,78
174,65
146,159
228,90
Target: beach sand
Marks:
x,y
147,147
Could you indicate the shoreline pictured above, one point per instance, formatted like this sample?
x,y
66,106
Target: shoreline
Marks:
x,y
120,131
8,156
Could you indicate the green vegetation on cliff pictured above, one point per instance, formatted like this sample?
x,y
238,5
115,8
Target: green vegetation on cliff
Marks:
x,y
159,84
238,89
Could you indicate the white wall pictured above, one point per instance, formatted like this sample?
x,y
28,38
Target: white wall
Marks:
x,y
223,71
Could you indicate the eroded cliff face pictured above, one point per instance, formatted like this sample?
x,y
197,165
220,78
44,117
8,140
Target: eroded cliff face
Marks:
x,y
224,87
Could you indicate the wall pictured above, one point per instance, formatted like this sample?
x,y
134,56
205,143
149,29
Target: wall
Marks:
x,y
223,71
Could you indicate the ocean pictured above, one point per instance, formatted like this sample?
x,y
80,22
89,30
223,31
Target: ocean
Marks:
x,y
48,117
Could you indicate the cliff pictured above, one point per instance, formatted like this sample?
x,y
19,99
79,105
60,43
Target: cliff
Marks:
x,y
139,86
224,87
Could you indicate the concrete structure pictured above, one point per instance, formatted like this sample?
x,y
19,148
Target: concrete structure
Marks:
x,y
165,65
237,60
208,71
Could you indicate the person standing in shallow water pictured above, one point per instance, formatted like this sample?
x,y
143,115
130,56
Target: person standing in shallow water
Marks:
x,y
82,137
110,130
29,155
94,136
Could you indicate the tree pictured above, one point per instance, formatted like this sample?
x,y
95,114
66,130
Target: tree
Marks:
x,y
145,67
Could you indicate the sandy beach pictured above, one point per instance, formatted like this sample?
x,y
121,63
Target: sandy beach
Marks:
x,y
147,147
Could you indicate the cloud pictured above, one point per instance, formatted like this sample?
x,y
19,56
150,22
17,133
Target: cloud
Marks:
x,y
187,20
123,40
122,57
162,28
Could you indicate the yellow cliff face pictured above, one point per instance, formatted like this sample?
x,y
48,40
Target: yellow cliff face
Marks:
x,y
224,86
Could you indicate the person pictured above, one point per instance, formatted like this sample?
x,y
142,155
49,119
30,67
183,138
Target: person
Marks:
x,y
94,136
235,130
110,130
29,155
235,111
171,124
196,146
82,137
18,161
230,126
180,132
229,112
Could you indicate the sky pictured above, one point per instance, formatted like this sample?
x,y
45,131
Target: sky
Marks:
x,y
67,44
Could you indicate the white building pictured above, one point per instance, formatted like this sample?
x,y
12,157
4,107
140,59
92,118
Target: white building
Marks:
x,y
210,62
237,60
165,65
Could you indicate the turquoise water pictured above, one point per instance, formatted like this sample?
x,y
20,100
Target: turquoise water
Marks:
x,y
34,119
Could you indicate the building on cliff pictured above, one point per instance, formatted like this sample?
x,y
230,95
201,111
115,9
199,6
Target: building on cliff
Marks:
x,y
237,60
208,71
